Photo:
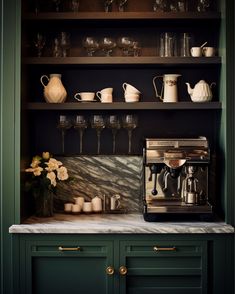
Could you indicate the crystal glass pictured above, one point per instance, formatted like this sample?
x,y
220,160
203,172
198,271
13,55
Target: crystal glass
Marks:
x,y
113,123
91,45
65,43
108,5
159,6
126,44
121,5
80,124
98,123
39,43
185,45
107,45
64,124
57,51
203,5
129,122
57,5
75,5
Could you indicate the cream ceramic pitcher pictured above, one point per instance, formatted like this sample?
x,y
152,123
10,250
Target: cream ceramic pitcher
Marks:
x,y
54,91
169,92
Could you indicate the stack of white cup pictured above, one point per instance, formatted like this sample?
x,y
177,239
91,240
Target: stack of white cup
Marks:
x,y
105,95
131,94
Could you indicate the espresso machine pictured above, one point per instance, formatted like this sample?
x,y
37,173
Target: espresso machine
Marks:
x,y
176,179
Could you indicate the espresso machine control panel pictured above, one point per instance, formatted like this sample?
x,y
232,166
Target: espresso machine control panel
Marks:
x,y
176,179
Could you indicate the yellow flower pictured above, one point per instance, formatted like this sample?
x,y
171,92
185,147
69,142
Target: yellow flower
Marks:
x,y
35,161
62,173
45,155
36,170
53,164
52,177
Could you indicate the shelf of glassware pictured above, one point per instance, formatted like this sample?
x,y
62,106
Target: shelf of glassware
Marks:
x,y
213,105
133,15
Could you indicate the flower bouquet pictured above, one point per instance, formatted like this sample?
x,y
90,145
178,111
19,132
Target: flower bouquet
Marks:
x,y
44,172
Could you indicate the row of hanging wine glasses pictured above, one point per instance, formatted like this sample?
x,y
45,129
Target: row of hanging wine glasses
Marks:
x,y
98,122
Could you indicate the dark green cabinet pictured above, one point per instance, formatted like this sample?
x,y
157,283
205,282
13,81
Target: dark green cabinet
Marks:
x,y
65,265
164,266
123,264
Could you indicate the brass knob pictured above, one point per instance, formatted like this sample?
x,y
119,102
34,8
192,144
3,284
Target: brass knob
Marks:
x,y
123,270
110,270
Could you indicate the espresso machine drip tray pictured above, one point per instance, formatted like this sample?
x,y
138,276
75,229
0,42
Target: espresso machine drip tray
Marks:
x,y
176,179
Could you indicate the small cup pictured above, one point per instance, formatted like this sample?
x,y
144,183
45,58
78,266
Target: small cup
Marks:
x,y
129,89
76,208
208,51
132,97
87,207
85,96
104,97
68,207
196,51
107,91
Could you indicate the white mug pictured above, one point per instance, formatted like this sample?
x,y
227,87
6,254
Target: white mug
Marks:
x,y
87,207
132,97
85,96
104,97
196,51
129,89
106,91
208,51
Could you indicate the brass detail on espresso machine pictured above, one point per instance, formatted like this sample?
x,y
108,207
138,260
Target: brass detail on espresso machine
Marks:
x,y
176,179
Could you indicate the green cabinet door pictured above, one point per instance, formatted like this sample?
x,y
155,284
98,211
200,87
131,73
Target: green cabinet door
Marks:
x,y
164,267
66,266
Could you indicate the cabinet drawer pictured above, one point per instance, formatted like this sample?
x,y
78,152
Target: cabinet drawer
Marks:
x,y
67,247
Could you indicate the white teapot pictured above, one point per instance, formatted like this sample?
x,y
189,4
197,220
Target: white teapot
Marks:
x,y
201,92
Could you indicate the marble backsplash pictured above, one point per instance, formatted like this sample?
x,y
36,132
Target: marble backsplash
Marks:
x,y
99,175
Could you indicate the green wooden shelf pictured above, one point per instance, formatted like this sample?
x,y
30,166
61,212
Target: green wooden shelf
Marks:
x,y
125,106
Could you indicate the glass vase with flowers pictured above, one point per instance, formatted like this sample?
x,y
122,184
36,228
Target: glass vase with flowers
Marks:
x,y
43,174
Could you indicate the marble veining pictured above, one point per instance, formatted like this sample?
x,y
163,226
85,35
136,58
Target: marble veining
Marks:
x,y
115,224
99,175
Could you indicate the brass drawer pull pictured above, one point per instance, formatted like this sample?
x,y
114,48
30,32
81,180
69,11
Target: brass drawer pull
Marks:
x,y
61,248
110,270
155,248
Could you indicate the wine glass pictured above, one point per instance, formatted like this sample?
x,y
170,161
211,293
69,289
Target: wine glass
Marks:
x,y
64,43
98,123
125,43
129,122
64,124
121,5
113,123
107,45
91,45
39,43
57,5
159,6
75,5
108,5
203,5
80,124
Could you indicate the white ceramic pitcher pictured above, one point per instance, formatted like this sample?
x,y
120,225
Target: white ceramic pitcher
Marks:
x,y
54,91
169,87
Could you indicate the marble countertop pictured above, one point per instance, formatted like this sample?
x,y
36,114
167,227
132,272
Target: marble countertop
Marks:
x,y
114,224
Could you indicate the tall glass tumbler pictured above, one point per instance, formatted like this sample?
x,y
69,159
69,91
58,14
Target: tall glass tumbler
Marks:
x,y
167,44
185,45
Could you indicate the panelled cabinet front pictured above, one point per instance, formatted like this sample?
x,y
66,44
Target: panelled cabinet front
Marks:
x,y
113,264
70,266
